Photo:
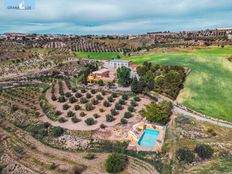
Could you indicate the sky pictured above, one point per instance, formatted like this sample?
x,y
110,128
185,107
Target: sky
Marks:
x,y
116,16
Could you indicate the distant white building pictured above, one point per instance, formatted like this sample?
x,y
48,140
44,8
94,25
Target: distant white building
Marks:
x,y
230,36
116,63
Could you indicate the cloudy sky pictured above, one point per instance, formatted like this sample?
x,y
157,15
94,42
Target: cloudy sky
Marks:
x,y
116,16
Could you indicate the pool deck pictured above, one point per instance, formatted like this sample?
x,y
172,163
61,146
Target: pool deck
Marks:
x,y
137,131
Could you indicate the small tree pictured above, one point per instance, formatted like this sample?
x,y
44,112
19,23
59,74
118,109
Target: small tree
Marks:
x,y
136,98
204,151
123,75
116,163
128,115
134,103
136,86
82,114
75,119
94,101
70,114
111,99
66,107
114,95
131,108
113,112
83,100
53,97
99,97
83,90
185,155
125,97
62,120
72,99
109,118
123,121
77,107
89,121
88,95
61,99
100,83
57,131
78,95
68,94
106,104
118,106
88,106
93,91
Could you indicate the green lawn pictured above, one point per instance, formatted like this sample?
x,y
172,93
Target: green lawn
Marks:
x,y
208,88
94,55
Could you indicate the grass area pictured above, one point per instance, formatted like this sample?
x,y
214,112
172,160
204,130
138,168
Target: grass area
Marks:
x,y
95,55
208,86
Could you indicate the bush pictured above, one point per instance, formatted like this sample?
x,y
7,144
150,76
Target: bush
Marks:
x,y
123,121
100,83
72,99
52,166
99,97
134,103
101,110
125,97
39,131
62,120
93,91
57,131
13,108
111,99
88,106
106,104
185,155
83,100
66,107
204,151
136,98
103,92
74,89
128,115
114,95
75,119
96,115
102,126
53,97
131,108
82,114
61,99
118,106
89,121
78,95
77,107
115,163
70,114
90,156
88,95
122,102
94,101
109,118
113,112
68,94
83,90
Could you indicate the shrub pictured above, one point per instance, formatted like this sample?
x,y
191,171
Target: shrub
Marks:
x,y
123,121
75,119
125,97
70,114
72,99
106,104
13,108
57,131
128,115
204,151
83,90
99,97
118,106
103,92
66,107
57,113
114,95
89,121
136,98
96,115
88,95
94,101
90,156
93,91
76,170
61,99
102,126
115,163
78,95
101,110
122,102
37,114
62,120
83,100
68,94
53,97
185,155
131,108
88,106
74,89
77,107
134,103
111,99
113,112
52,166
82,114
109,118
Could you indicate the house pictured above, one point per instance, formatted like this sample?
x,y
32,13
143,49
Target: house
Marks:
x,y
116,63
99,75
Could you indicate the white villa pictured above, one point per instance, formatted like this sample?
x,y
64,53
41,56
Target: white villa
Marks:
x,y
116,63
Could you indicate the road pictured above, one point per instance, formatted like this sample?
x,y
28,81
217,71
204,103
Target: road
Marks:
x,y
189,114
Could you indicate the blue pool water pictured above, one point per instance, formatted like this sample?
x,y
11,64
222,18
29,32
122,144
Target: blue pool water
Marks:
x,y
148,138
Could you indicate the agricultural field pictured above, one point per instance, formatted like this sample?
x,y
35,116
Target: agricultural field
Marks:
x,y
208,86
98,55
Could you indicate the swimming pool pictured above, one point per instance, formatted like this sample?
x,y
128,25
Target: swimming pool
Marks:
x,y
148,138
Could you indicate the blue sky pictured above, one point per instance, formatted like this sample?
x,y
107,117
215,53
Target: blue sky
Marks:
x,y
116,16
